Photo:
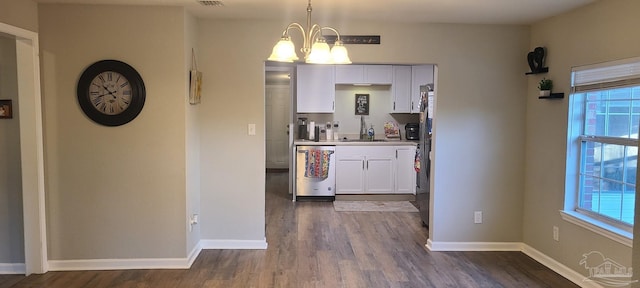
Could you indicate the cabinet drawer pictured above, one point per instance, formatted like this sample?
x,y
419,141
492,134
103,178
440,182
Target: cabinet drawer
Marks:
x,y
348,151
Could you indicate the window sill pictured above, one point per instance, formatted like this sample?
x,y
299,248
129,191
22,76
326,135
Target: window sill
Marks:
x,y
599,227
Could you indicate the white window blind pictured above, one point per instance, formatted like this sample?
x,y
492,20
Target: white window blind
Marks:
x,y
605,76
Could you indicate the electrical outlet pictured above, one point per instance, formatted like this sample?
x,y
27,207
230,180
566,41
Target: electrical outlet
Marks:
x,y
477,217
556,233
252,129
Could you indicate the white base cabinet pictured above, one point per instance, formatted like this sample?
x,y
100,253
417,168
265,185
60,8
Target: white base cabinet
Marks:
x,y
349,174
375,170
405,172
364,169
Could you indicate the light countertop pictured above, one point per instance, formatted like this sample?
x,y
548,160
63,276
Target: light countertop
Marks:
x,y
355,143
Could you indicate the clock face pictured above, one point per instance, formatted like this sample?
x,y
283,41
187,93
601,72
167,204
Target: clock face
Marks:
x,y
111,92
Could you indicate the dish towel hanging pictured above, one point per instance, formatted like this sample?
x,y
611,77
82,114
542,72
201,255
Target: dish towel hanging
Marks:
x,y
316,163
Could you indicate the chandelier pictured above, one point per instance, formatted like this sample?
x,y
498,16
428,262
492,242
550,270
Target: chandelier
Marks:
x,y
319,53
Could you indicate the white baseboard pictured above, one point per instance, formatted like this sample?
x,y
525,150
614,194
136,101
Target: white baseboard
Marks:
x,y
558,267
147,263
234,244
473,246
13,268
119,264
194,254
543,259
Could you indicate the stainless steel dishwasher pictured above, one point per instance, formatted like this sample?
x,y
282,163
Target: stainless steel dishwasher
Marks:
x,y
310,172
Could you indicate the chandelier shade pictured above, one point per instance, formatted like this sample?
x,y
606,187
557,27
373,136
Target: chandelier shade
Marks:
x,y
339,53
319,53
284,51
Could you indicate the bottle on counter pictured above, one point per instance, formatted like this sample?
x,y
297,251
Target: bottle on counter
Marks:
x,y
317,134
312,133
336,125
329,131
371,133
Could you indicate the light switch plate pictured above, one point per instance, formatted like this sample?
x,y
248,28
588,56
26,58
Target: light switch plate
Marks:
x,y
252,129
477,217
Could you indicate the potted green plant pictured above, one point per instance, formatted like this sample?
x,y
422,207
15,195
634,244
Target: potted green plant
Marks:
x,y
545,87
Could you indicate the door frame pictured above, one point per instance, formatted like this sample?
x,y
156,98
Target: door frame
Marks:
x,y
286,67
31,148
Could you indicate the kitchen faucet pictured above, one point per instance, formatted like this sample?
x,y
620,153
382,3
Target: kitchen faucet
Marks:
x,y
363,128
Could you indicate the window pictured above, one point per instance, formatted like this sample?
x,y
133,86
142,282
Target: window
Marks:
x,y
602,153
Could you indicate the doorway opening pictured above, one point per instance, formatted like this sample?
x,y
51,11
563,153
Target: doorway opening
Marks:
x,y
279,85
29,115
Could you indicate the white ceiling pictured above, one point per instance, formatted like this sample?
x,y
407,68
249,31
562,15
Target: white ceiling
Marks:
x,y
324,11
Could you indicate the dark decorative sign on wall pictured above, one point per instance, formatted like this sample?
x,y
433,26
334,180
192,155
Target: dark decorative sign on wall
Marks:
x,y
354,39
362,104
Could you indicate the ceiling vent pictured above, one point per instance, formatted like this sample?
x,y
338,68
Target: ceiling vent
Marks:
x,y
211,3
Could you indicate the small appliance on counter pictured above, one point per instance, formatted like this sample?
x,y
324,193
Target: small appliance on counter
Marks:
x,y
412,131
302,128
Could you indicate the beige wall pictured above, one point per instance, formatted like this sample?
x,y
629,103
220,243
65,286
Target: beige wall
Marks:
x,y
479,131
115,192
20,13
192,131
484,114
603,31
11,220
233,163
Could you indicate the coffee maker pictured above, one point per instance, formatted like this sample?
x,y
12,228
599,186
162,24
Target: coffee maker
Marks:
x,y
302,128
411,131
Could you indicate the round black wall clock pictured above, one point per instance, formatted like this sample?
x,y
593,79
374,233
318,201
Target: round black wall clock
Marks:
x,y
111,92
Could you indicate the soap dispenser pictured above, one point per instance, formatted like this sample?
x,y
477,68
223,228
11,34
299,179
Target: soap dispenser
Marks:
x,y
371,133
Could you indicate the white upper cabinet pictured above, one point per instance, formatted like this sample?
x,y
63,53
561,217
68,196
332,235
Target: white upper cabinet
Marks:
x,y
421,75
401,90
349,74
364,74
316,91
378,74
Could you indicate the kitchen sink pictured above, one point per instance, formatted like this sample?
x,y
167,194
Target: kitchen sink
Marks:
x,y
362,140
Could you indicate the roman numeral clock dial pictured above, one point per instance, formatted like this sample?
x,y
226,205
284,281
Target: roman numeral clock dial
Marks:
x,y
111,93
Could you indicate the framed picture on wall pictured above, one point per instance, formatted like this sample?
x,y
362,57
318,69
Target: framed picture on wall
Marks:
x,y
195,87
195,80
6,109
362,104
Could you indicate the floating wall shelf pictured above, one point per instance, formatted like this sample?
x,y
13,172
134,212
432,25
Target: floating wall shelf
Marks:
x,y
553,96
540,71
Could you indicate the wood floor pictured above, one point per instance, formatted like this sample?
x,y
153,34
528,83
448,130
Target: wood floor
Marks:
x,y
311,245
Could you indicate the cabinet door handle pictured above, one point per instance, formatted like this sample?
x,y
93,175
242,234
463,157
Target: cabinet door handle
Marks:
x,y
396,154
394,105
333,106
411,105
362,164
367,164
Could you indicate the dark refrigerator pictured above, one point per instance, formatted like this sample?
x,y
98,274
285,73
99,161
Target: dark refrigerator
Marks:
x,y
423,171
